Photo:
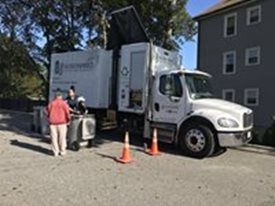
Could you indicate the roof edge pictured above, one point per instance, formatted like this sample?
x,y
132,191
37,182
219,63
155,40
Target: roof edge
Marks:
x,y
215,11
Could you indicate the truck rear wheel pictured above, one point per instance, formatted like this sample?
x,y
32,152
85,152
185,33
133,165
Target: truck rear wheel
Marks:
x,y
197,141
75,146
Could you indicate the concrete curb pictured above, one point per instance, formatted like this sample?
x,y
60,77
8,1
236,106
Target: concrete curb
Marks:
x,y
258,149
15,112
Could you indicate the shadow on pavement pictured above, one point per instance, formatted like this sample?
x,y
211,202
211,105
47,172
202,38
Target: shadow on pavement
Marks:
x,y
138,141
142,144
15,121
21,123
106,156
32,147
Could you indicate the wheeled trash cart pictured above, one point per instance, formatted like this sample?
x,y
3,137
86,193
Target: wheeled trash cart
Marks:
x,y
81,129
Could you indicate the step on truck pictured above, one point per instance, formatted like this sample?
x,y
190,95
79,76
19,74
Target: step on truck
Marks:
x,y
137,86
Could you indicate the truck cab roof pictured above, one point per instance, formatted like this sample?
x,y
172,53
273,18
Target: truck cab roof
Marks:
x,y
185,71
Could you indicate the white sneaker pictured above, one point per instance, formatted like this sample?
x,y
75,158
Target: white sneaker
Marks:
x,y
62,153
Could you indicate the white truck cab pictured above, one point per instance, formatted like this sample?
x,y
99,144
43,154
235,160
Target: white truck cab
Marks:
x,y
201,122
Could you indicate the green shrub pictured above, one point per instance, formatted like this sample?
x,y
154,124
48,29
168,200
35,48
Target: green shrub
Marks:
x,y
269,135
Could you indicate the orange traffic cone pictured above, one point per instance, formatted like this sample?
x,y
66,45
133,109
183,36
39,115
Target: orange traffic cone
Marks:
x,y
154,147
126,156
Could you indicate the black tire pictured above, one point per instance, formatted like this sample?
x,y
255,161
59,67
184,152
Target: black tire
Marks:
x,y
75,146
197,141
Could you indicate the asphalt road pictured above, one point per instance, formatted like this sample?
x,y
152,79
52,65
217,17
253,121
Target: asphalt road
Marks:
x,y
29,175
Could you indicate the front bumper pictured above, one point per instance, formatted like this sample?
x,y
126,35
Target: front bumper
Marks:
x,y
234,139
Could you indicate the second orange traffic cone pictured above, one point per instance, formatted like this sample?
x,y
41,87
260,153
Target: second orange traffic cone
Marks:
x,y
154,147
126,156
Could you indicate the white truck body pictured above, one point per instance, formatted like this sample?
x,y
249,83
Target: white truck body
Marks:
x,y
89,71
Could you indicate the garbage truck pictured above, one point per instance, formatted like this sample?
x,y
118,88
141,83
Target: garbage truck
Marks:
x,y
137,86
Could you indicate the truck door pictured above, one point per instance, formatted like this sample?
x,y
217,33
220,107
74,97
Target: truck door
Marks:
x,y
168,98
133,78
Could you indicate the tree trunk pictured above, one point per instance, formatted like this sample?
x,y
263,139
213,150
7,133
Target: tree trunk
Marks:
x,y
104,25
169,27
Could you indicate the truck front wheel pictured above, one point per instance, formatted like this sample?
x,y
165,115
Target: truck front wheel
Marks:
x,y
197,141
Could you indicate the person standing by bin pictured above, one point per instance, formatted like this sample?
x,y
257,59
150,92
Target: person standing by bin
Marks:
x,y
71,100
58,116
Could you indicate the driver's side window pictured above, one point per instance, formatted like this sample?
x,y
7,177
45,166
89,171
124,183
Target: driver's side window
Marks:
x,y
170,85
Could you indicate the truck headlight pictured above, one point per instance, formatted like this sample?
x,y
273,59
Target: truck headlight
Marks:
x,y
227,122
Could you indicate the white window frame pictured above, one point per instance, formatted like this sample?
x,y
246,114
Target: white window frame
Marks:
x,y
248,15
257,96
224,91
247,51
226,22
224,62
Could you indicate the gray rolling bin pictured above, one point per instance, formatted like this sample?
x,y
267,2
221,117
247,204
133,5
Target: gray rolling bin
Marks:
x,y
81,129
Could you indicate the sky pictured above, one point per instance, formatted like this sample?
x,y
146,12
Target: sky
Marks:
x,y
189,49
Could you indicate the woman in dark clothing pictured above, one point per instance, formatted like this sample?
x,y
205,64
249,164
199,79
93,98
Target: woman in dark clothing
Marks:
x,y
72,100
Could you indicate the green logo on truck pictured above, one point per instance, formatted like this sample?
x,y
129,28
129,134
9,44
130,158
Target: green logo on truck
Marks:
x,y
125,71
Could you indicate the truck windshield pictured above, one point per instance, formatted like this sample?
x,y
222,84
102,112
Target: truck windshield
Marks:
x,y
198,86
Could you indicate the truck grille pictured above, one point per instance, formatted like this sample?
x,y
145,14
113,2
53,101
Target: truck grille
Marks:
x,y
247,119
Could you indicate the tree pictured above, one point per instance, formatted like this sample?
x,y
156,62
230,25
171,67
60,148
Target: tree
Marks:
x,y
18,76
21,76
58,24
167,22
46,27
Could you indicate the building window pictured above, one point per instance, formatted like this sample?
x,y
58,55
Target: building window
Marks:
x,y
230,25
228,94
252,56
229,62
251,97
254,15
